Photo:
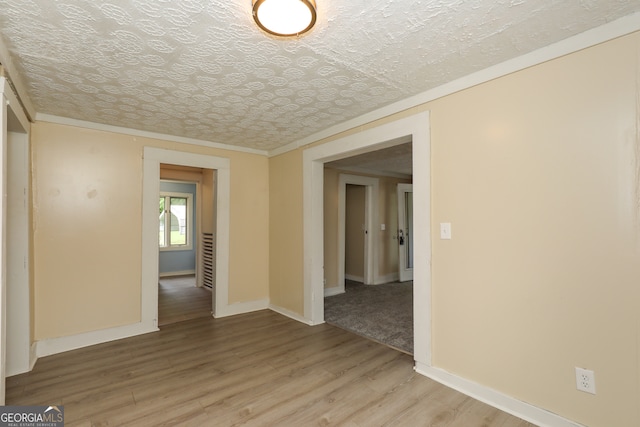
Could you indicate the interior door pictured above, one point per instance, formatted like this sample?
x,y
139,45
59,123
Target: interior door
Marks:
x,y
405,232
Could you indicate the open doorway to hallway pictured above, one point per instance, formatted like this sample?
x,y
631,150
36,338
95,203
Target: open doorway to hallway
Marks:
x,y
361,206
185,240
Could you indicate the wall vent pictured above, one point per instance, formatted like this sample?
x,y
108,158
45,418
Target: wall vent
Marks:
x,y
208,260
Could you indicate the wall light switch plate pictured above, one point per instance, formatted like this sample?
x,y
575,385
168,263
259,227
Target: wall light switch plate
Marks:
x,y
445,231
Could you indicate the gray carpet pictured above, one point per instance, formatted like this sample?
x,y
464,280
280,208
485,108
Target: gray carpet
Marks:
x,y
383,313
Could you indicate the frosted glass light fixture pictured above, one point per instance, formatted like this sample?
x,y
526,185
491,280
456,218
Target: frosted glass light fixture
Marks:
x,y
285,17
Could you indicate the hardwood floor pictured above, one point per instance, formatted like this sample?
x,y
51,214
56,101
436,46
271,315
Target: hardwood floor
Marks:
x,y
257,369
179,299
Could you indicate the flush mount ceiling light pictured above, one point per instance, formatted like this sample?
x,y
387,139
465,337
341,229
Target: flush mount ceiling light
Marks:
x,y
285,17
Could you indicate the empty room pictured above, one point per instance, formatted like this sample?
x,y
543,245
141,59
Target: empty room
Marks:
x,y
519,124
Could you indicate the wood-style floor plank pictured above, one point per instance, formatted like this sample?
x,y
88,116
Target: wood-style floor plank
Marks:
x,y
179,299
256,369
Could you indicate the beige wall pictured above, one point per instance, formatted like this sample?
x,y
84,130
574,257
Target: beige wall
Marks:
x,y
286,267
538,174
87,227
208,224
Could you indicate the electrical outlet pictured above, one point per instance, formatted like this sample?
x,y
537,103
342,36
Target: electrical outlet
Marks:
x,y
585,380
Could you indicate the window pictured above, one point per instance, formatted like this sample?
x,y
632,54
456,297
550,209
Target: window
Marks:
x,y
175,221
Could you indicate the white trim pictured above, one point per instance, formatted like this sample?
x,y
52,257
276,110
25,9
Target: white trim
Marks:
x,y
177,273
14,103
241,307
421,159
404,274
150,192
387,278
520,409
51,346
3,240
618,28
176,248
372,190
334,290
373,172
18,261
9,103
288,313
144,134
413,128
354,278
16,80
33,355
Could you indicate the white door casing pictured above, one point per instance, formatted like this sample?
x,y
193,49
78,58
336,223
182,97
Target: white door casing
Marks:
x,y
151,190
18,274
12,118
413,128
3,246
405,232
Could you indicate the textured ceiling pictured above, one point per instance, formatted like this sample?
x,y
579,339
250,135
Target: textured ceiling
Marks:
x,y
394,161
202,69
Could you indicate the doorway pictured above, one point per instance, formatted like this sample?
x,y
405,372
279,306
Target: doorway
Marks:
x,y
381,308
365,192
18,277
220,182
356,233
15,239
413,128
182,294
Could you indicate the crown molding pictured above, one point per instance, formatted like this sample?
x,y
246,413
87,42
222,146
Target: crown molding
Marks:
x,y
144,134
15,80
612,30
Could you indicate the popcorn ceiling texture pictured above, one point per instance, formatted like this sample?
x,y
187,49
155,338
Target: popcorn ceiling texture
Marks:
x,y
202,69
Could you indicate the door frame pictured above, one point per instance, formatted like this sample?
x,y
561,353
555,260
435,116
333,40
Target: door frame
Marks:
x,y
372,186
150,192
415,128
12,118
404,274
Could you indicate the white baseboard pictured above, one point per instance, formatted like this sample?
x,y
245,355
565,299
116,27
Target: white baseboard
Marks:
x,y
290,314
33,356
51,346
387,278
242,307
177,273
520,409
354,278
334,290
